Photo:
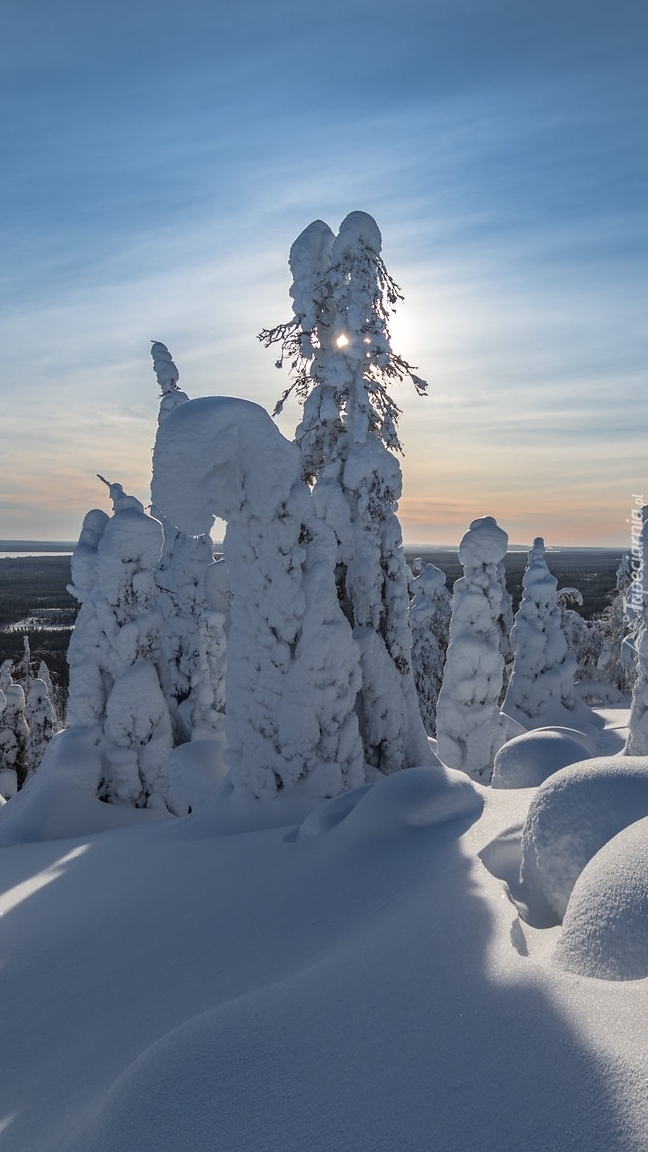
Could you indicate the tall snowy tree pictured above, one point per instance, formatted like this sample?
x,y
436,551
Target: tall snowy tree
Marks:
x,y
114,648
429,615
470,730
192,640
339,349
543,669
618,625
292,669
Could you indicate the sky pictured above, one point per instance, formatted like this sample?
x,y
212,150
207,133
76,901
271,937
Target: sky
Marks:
x,y
159,159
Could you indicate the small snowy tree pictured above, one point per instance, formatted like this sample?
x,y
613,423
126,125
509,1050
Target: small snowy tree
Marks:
x,y
583,639
14,731
114,648
470,730
41,718
429,615
339,349
292,669
192,639
543,669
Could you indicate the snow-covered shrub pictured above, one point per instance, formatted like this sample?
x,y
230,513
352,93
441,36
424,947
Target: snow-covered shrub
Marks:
x,y
117,632
191,663
543,669
429,616
292,669
469,728
339,348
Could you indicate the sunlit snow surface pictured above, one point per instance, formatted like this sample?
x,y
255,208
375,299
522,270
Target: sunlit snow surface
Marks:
x,y
355,981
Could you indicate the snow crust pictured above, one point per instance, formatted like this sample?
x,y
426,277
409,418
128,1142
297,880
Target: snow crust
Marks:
x,y
572,815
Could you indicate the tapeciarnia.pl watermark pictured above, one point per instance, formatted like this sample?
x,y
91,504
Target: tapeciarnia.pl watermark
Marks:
x,y
635,595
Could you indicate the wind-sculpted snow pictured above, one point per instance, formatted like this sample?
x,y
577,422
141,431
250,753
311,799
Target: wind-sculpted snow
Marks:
x,y
527,760
416,798
292,670
572,815
605,929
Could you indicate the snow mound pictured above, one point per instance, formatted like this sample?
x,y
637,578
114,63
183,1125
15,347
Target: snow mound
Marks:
x,y
415,798
605,930
528,760
572,815
59,801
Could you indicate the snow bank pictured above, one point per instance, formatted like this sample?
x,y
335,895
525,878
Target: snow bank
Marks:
x,y
605,929
573,814
527,760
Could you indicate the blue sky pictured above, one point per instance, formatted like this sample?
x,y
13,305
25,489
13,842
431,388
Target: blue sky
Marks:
x,y
158,161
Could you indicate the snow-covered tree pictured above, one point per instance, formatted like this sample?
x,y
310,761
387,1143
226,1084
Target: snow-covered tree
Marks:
x,y
292,669
114,648
42,721
14,730
470,730
430,611
543,669
192,639
339,348
584,640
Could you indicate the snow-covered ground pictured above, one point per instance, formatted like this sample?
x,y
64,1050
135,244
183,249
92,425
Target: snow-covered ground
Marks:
x,y
359,982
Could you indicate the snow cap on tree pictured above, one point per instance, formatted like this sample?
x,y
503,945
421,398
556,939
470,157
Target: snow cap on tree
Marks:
x,y
167,377
164,368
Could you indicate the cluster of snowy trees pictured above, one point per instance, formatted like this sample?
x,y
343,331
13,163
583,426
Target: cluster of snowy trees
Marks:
x,y
28,720
308,649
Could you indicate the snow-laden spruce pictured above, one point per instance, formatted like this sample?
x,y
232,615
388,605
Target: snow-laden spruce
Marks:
x,y
14,729
637,743
429,617
192,638
292,670
114,648
470,729
339,348
42,721
543,669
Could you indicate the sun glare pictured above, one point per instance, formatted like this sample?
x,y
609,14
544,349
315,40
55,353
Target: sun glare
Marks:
x,y
342,341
